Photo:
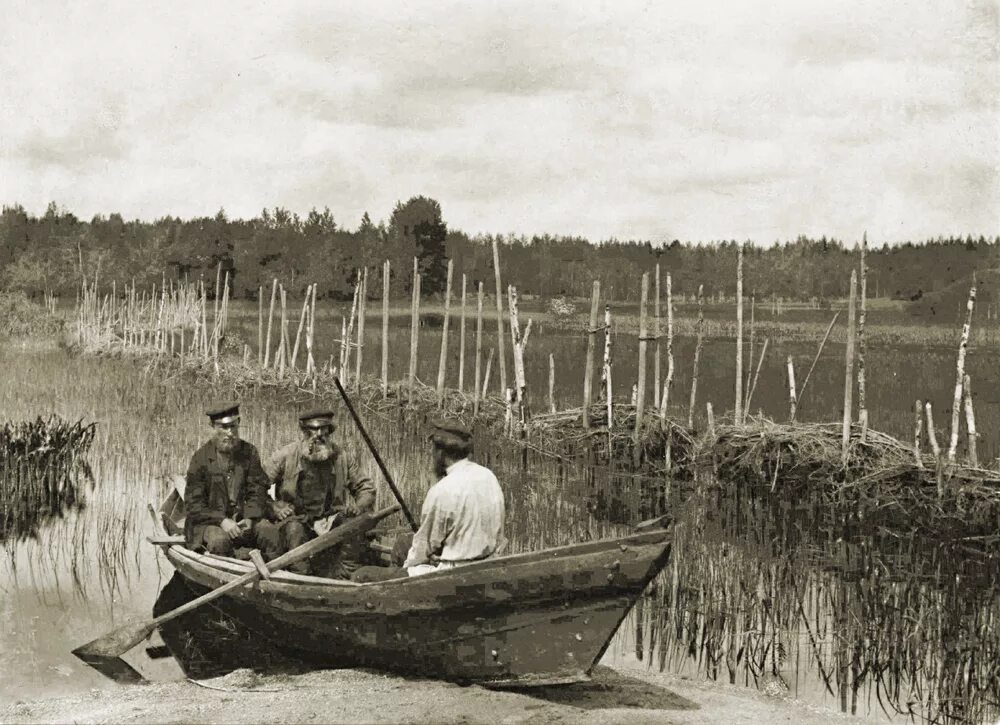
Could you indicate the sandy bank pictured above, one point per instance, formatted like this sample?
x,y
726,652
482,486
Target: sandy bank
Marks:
x,y
626,694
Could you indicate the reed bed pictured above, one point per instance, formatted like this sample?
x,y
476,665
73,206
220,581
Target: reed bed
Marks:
x,y
43,472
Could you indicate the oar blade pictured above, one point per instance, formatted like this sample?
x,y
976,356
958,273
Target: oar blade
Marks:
x,y
114,668
116,642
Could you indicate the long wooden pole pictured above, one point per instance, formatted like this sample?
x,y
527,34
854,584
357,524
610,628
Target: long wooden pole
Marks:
x,y
739,335
697,355
270,317
606,372
588,374
385,328
260,325
552,383
970,422
963,347
862,408
461,341
668,382
362,313
656,334
479,348
640,400
302,322
443,357
845,440
414,325
791,388
499,291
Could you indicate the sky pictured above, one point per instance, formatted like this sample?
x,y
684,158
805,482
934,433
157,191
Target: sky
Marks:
x,y
691,120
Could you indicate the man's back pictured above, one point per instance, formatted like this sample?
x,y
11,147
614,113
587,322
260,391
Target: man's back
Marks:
x,y
467,507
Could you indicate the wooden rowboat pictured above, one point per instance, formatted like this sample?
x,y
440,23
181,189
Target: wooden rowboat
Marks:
x,y
539,618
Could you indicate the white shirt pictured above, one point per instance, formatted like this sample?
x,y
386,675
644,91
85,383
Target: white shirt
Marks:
x,y
462,517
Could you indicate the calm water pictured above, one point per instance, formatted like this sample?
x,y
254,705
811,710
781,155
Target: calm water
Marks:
x,y
93,569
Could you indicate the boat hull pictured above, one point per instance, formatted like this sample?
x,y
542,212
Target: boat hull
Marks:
x,y
529,619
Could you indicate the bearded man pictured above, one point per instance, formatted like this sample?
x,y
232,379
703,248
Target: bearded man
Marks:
x,y
226,492
317,486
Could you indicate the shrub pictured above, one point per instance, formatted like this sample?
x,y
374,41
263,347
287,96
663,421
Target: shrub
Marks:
x,y
21,317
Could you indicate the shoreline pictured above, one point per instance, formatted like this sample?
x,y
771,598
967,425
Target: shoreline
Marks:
x,y
622,690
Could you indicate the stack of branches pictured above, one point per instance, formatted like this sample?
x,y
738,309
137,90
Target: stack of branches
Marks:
x,y
881,482
41,464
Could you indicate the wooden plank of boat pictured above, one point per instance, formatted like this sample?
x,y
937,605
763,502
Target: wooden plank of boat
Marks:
x,y
526,619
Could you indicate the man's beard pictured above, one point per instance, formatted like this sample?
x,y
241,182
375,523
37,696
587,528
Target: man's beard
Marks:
x,y
317,451
226,444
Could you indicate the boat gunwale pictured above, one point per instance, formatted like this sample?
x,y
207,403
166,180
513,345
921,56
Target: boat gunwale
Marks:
x,y
230,566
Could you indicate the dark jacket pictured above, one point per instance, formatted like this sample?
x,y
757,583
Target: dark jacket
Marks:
x,y
206,495
332,482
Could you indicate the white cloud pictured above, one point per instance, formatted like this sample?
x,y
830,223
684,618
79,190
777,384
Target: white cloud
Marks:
x,y
694,120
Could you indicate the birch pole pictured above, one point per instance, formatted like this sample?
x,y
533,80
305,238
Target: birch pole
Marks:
x,y
739,335
414,325
362,310
552,383
606,371
443,357
640,398
862,409
500,355
668,382
518,343
697,355
302,322
588,375
791,388
461,341
970,422
477,391
963,347
918,428
260,326
656,335
270,317
845,440
385,328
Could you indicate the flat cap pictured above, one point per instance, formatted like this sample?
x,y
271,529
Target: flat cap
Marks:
x,y
223,412
449,427
320,418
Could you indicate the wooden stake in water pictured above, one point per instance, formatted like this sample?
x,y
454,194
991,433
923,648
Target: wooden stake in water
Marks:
x,y
486,375
414,326
310,337
970,422
697,355
963,347
862,409
668,382
819,351
753,304
739,336
385,328
461,341
588,374
640,398
606,370
753,385
518,343
918,429
479,350
791,388
283,334
499,290
443,357
711,420
552,383
362,310
845,440
270,316
260,326
656,335
302,322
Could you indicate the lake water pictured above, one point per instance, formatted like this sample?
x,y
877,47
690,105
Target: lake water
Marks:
x,y
91,570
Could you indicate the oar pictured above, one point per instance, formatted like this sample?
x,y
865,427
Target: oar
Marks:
x,y
378,458
107,649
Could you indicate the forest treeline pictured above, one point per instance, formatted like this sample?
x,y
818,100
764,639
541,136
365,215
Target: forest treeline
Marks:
x,y
49,253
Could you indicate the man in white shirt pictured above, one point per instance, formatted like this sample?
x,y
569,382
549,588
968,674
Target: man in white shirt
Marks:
x,y
463,514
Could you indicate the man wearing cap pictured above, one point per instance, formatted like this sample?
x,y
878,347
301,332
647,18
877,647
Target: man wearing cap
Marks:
x,y
463,514
317,486
226,492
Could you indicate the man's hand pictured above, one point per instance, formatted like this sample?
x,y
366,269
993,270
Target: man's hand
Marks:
x,y
323,525
231,528
351,509
282,510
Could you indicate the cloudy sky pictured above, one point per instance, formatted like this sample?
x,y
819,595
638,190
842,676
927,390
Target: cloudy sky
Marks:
x,y
696,120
